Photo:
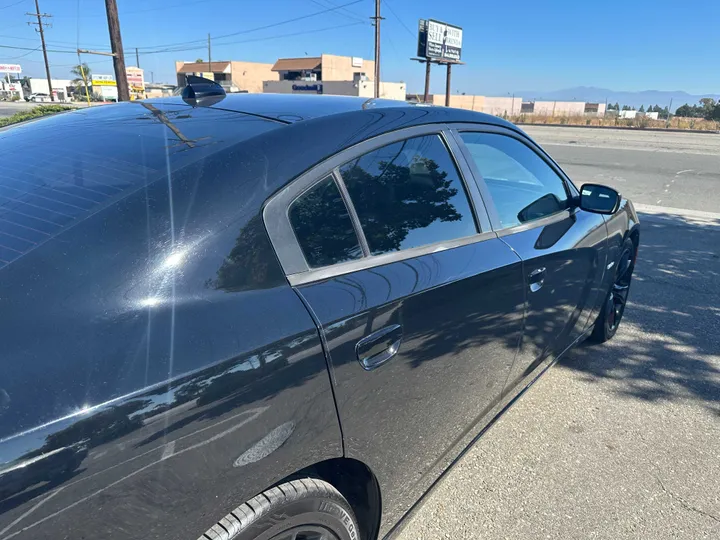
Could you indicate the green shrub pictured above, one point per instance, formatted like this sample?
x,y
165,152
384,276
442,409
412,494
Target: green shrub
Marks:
x,y
36,112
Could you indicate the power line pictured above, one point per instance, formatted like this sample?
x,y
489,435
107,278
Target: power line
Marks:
x,y
346,13
14,4
413,34
278,36
265,27
23,55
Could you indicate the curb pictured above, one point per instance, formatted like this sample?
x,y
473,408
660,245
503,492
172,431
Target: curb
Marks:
x,y
624,128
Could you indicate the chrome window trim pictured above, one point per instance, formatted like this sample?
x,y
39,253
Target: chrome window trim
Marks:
x,y
542,222
456,131
282,236
373,261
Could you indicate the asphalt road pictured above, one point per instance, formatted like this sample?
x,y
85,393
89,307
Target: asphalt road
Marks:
x,y
620,440
8,108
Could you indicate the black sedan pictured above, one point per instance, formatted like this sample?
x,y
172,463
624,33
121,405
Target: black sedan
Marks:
x,y
277,317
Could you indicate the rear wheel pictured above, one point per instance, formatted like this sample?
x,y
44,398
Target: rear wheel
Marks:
x,y
304,509
610,315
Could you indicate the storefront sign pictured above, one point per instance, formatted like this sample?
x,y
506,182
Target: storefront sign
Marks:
x,y
308,88
10,68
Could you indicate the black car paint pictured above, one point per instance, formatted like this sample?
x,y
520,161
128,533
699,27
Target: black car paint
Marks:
x,y
157,370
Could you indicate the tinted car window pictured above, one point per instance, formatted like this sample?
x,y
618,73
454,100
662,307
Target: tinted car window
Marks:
x,y
323,227
408,194
522,185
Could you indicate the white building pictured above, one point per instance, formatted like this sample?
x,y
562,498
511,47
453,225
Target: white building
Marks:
x,y
59,88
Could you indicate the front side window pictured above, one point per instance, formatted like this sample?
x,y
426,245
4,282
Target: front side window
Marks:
x,y
408,194
323,227
522,185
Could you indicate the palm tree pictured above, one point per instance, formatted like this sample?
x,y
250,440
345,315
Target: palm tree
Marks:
x,y
80,82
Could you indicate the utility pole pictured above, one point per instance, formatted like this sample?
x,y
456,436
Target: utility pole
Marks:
x,y
377,18
137,57
39,28
210,56
117,49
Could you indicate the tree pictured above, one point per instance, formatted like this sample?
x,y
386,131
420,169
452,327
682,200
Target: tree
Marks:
x,y
199,60
78,72
642,108
707,108
617,106
686,111
626,108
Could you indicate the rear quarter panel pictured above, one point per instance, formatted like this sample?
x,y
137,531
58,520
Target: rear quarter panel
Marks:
x,y
153,377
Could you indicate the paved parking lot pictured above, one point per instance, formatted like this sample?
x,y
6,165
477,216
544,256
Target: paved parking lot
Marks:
x,y
619,440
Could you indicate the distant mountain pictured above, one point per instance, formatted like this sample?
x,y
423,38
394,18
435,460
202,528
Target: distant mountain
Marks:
x,y
634,99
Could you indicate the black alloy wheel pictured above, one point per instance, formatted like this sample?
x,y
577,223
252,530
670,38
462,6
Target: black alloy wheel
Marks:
x,y
611,314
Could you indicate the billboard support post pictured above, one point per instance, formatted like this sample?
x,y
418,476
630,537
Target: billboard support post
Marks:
x,y
427,82
447,85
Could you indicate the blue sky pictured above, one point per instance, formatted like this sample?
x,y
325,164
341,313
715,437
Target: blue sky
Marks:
x,y
508,46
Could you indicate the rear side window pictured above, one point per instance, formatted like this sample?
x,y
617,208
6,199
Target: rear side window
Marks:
x,y
523,187
323,227
408,194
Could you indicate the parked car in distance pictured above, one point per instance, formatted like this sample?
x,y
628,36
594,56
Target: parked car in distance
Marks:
x,y
277,317
38,97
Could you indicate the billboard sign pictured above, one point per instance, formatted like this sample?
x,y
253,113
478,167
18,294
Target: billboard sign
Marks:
x,y
439,40
10,68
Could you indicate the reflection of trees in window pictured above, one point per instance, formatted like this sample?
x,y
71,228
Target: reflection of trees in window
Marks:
x,y
251,264
323,227
405,187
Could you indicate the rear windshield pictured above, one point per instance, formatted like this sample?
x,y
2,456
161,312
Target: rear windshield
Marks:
x,y
57,171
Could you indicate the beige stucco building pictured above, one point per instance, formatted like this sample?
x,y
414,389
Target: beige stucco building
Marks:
x,y
234,76
514,105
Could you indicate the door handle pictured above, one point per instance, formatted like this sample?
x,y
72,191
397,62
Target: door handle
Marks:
x,y
379,347
536,279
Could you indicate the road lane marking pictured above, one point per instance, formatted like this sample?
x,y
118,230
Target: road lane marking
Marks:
x,y
169,450
650,209
683,171
26,514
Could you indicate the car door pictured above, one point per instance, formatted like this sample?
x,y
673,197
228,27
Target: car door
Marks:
x,y
420,304
563,248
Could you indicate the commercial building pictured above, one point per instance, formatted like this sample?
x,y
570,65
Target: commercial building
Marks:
x,y
233,76
330,74
514,105
156,90
61,88
359,87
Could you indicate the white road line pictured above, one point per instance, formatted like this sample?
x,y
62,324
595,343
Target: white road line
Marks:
x,y
684,171
26,514
169,450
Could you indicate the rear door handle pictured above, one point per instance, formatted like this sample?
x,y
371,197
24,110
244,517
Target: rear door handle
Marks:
x,y
536,279
379,347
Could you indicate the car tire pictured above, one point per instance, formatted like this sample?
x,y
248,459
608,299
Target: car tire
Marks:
x,y
303,508
613,308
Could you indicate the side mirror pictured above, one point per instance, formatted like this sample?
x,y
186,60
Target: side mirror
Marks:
x,y
599,199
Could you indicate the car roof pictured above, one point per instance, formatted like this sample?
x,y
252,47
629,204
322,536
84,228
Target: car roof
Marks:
x,y
291,108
